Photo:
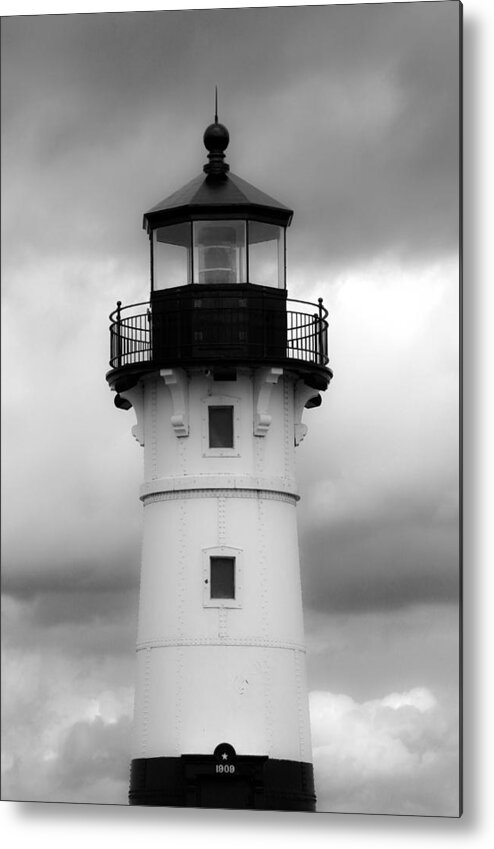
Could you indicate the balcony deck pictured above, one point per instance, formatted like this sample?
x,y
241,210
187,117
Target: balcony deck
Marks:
x,y
218,329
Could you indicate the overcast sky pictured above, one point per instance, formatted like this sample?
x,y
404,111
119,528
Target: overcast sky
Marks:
x,y
348,115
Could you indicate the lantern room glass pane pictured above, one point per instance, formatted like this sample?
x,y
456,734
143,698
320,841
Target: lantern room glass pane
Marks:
x,y
266,254
172,256
219,252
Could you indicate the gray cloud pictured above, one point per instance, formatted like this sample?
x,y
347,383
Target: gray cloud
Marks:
x,y
352,117
393,755
81,626
93,763
378,470
76,606
380,567
368,653
90,765
66,704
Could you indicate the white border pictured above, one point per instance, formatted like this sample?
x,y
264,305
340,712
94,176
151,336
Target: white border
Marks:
x,y
54,826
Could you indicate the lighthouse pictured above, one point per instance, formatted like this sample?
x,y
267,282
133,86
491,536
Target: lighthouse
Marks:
x,y
219,366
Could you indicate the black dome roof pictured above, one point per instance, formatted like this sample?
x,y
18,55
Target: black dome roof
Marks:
x,y
217,194
205,197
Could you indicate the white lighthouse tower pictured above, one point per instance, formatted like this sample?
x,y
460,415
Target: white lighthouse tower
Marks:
x,y
219,366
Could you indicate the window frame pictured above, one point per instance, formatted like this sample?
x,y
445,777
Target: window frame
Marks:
x,y
222,551
220,401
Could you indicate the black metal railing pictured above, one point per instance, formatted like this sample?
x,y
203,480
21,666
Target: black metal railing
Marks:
x,y
130,335
307,334
198,331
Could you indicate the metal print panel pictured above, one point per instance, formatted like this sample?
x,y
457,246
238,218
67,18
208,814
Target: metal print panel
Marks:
x,y
280,541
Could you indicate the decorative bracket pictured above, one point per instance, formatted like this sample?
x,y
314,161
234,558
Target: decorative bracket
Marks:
x,y
303,394
263,387
177,383
135,398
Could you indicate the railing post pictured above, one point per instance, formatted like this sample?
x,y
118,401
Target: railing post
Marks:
x,y
321,333
264,320
119,338
316,337
149,333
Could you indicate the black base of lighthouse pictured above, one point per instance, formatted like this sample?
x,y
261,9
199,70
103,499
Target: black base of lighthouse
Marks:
x,y
195,781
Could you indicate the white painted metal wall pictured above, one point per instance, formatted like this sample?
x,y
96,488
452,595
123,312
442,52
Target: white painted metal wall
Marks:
x,y
211,670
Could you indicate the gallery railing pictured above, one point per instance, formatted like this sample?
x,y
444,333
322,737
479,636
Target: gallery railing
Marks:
x,y
141,333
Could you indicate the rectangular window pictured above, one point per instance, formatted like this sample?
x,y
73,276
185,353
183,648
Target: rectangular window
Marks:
x,y
222,577
221,427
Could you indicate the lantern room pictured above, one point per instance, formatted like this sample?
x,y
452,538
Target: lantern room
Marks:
x,y
218,284
217,229
216,251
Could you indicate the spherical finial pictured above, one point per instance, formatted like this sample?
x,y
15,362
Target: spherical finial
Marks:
x,y
216,137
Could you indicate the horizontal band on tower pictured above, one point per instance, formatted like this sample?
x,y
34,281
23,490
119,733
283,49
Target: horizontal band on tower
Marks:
x,y
220,484
258,494
225,642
